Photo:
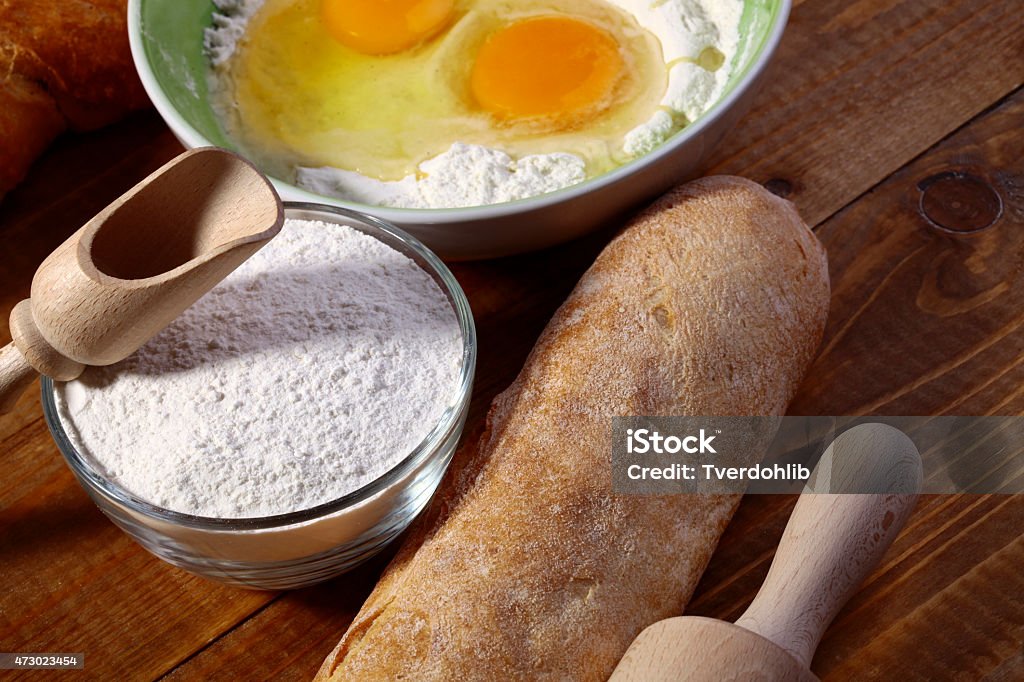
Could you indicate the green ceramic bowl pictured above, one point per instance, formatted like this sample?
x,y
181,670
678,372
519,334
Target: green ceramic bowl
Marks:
x,y
167,45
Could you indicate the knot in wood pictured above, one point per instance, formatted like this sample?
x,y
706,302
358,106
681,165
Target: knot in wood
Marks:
x,y
779,187
956,201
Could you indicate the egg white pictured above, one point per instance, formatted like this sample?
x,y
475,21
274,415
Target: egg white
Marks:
x,y
281,106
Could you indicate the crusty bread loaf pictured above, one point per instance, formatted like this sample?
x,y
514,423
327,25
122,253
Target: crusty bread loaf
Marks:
x,y
711,302
63,65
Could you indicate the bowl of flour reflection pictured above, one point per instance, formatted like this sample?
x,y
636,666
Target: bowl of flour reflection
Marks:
x,y
294,421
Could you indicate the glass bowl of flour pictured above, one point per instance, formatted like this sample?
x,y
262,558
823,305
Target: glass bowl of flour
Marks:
x,y
292,422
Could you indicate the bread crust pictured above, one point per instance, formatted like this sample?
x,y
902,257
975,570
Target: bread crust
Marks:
x,y
527,566
63,65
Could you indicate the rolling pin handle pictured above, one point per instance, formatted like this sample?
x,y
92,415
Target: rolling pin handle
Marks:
x,y
833,541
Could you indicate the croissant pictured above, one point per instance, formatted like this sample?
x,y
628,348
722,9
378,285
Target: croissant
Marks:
x,y
63,66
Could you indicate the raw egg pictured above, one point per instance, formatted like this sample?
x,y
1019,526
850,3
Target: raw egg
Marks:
x,y
553,67
385,26
379,86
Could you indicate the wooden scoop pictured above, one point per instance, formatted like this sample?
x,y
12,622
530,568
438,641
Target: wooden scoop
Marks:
x,y
832,542
137,265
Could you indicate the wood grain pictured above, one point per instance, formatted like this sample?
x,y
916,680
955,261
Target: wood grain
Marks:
x,y
74,582
859,88
922,323
935,312
302,628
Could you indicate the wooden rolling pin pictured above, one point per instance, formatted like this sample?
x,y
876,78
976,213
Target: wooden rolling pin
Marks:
x,y
137,265
832,542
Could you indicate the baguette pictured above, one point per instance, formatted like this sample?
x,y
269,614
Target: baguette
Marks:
x,y
527,566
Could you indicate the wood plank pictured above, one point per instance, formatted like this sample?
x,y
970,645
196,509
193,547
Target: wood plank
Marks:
x,y
933,566
860,88
74,582
303,627
966,616
930,267
931,321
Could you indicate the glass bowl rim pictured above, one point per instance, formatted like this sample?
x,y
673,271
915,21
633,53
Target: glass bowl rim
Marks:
x,y
430,445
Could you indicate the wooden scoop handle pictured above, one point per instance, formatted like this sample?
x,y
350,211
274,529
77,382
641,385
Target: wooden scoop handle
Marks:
x,y
833,541
28,355
16,374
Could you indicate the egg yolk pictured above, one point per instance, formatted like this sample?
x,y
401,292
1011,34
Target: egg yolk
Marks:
x,y
380,27
559,68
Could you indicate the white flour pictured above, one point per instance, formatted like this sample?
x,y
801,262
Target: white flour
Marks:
x,y
465,175
685,28
310,371
471,175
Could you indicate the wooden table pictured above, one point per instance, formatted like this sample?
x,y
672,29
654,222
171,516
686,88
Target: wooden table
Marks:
x,y
895,126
